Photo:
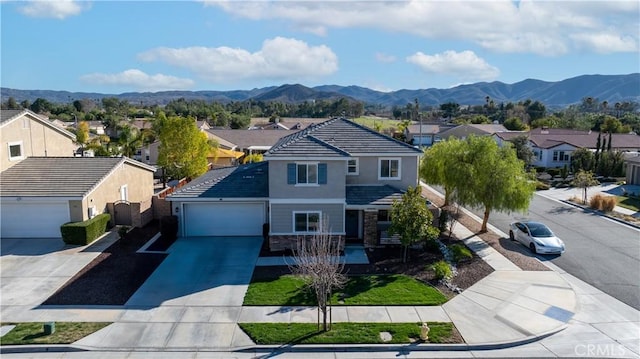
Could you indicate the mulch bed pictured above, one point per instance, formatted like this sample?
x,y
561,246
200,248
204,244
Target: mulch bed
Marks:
x,y
114,275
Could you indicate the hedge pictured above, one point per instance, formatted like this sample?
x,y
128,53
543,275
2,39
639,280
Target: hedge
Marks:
x,y
83,233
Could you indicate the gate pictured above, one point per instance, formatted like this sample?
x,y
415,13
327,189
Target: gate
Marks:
x,y
122,213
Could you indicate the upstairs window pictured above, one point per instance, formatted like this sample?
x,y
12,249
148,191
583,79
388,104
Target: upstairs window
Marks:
x,y
389,169
306,221
306,173
561,156
352,167
15,151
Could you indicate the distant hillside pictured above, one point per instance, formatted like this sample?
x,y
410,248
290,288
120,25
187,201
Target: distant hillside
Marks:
x,y
612,88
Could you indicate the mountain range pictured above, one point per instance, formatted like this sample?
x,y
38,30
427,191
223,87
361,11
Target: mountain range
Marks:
x,y
610,88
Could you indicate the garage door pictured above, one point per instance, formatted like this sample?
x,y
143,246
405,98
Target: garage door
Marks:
x,y
224,219
33,220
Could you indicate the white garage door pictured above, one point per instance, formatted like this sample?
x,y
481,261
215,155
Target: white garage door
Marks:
x,y
224,219
33,220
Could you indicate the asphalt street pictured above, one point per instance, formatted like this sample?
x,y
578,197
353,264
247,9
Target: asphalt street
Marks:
x,y
599,251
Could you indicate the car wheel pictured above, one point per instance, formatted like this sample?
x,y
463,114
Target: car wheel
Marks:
x,y
511,237
533,248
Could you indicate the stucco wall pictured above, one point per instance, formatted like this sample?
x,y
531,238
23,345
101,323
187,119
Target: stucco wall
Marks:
x,y
139,187
282,216
37,140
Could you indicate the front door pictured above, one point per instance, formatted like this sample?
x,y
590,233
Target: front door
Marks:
x,y
352,225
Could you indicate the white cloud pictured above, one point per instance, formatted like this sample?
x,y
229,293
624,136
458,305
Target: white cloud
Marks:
x,y
385,58
139,80
278,59
57,9
465,65
528,26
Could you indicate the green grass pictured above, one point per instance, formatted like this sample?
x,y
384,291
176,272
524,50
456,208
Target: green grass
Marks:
x,y
359,290
629,203
344,333
371,122
65,333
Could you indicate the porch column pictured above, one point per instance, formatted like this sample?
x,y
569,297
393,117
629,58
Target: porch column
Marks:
x,y
370,228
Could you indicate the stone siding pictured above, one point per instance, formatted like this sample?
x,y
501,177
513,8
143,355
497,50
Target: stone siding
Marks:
x,y
285,242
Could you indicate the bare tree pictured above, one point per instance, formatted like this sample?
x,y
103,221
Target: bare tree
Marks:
x,y
317,260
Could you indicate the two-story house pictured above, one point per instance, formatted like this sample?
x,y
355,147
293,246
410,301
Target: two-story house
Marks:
x,y
335,175
24,133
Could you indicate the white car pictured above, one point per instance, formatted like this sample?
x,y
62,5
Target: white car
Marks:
x,y
537,236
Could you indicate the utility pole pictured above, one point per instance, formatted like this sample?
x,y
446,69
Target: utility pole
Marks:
x,y
418,117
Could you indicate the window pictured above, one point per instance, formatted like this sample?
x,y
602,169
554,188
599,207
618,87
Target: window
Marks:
x,y
124,193
561,156
307,173
389,168
15,151
352,166
306,221
384,215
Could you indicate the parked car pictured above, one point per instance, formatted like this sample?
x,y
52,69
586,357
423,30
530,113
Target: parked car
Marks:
x,y
537,236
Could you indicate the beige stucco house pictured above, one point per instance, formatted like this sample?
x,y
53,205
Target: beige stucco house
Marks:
x,y
24,133
39,194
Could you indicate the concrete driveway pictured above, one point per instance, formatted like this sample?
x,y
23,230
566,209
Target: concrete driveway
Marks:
x,y
32,269
192,300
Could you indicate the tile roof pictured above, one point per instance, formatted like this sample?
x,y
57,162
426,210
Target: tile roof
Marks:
x,y
58,176
587,139
372,195
245,181
7,116
246,138
338,137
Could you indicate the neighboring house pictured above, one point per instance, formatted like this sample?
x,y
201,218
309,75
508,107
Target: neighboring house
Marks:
x,y
40,194
552,147
247,141
96,127
464,131
224,157
24,133
277,125
426,134
337,171
633,170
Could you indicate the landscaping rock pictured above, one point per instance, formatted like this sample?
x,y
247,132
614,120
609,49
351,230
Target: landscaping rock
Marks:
x,y
385,337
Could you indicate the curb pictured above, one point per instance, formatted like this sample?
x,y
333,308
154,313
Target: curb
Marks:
x,y
293,348
600,213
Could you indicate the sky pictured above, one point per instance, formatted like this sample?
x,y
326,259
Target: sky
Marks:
x,y
139,46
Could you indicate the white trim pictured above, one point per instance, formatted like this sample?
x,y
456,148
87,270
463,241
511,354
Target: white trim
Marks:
x,y
15,158
387,154
357,172
293,218
307,201
38,199
216,199
310,233
398,177
368,207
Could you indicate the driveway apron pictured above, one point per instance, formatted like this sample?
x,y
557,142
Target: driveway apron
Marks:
x,y
193,299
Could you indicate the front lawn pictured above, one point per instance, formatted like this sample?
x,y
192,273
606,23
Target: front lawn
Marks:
x,y
629,203
393,289
65,333
346,333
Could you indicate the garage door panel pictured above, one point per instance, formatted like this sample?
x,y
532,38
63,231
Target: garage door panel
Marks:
x,y
224,219
33,220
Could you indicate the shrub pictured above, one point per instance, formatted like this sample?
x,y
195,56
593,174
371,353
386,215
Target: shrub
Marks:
x,y
122,231
460,253
541,186
609,203
83,233
432,246
596,201
169,227
442,270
